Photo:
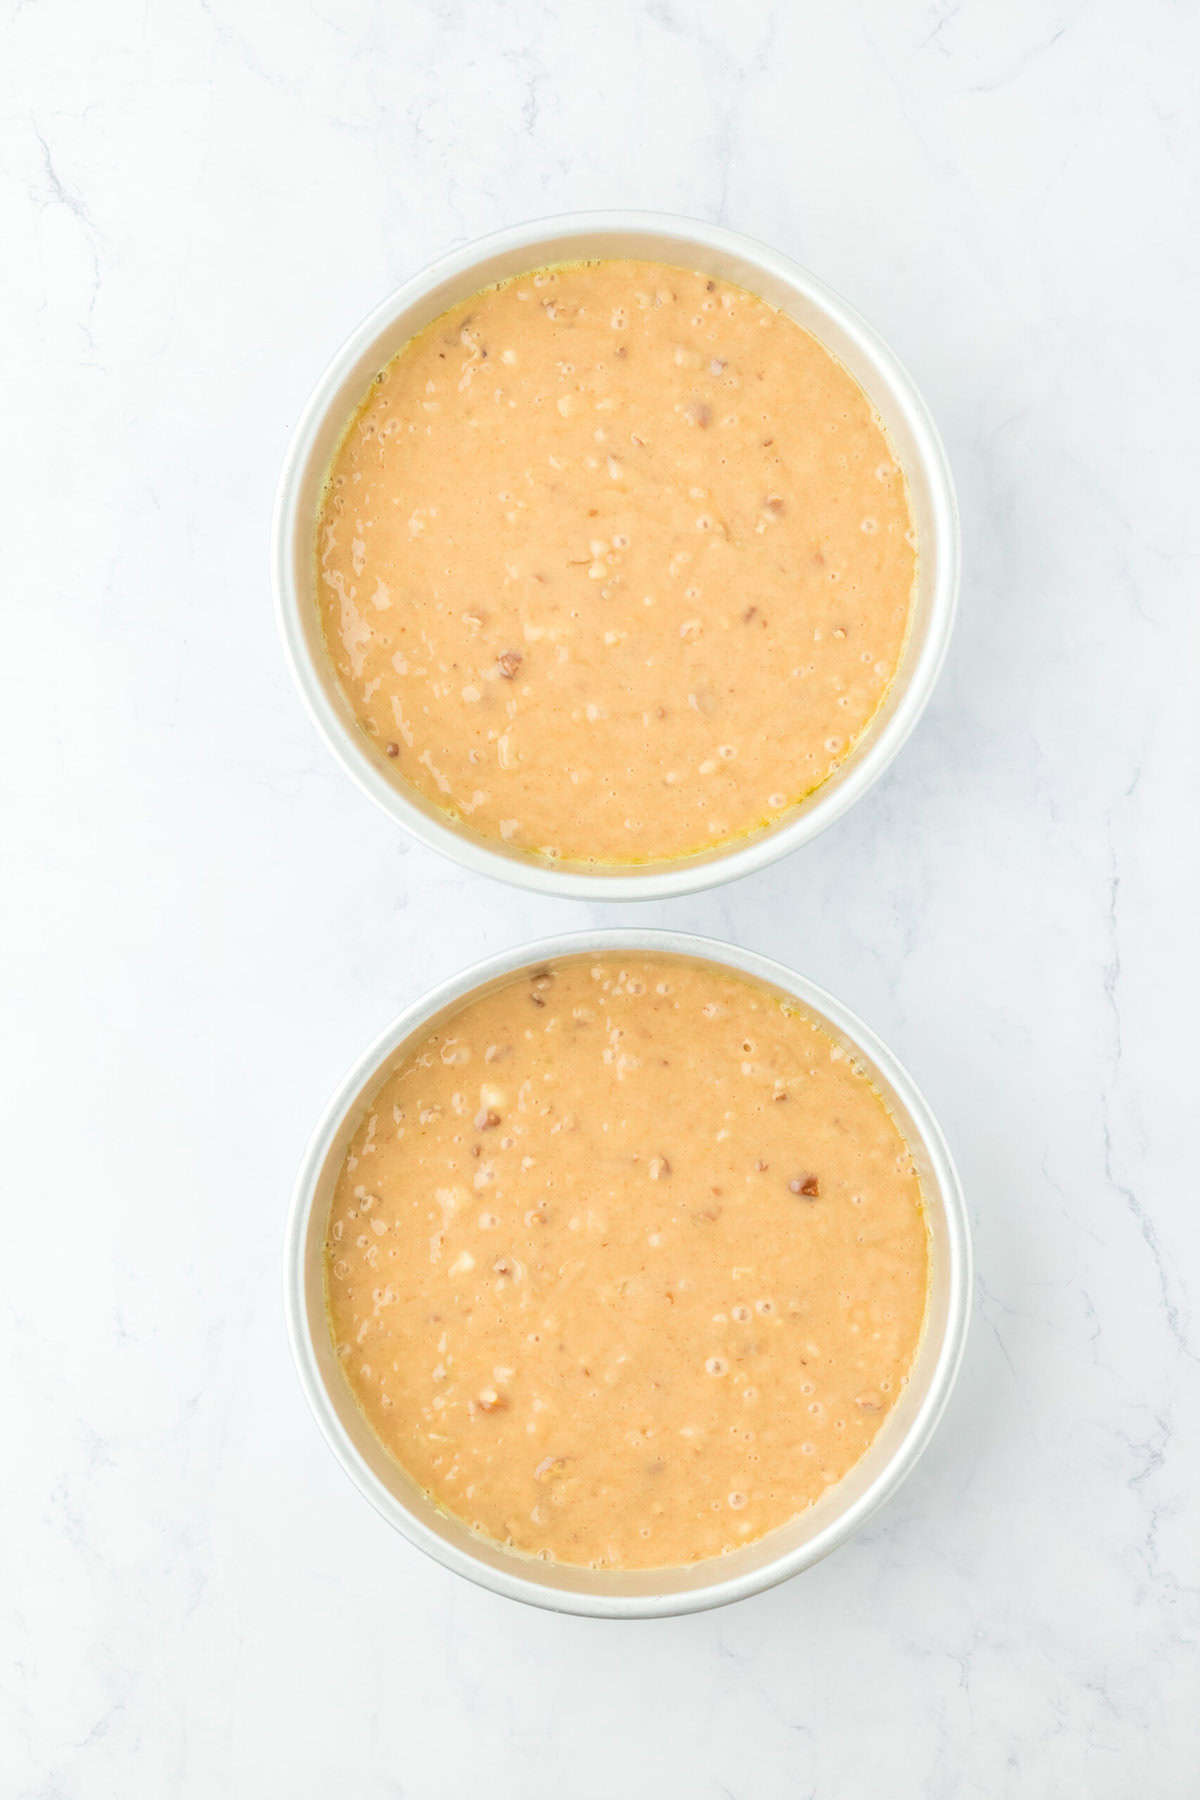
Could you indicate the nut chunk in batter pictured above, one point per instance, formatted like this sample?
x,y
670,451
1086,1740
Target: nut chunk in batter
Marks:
x,y
627,1261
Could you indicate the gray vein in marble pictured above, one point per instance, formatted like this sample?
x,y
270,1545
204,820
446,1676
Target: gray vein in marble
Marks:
x,y
1173,1310
57,193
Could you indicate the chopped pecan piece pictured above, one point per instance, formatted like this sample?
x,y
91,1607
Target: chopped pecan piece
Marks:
x,y
541,979
808,1185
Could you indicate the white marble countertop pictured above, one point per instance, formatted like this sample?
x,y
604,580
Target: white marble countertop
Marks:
x,y
206,922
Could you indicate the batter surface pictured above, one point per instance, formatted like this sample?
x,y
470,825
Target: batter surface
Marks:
x,y
627,1262
615,563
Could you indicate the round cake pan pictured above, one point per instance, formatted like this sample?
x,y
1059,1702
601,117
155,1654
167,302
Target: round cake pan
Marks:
x,y
646,1593
712,251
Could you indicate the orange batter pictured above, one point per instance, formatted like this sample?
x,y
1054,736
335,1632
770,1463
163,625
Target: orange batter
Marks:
x,y
614,563
627,1262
